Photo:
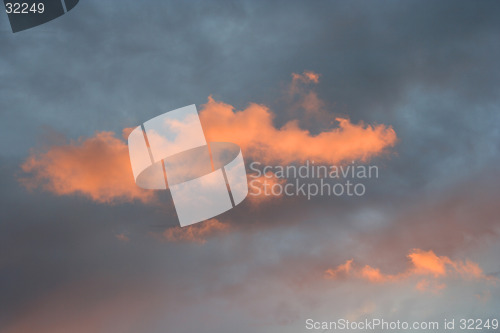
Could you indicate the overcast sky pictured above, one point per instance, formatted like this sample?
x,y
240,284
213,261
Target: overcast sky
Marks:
x,y
83,250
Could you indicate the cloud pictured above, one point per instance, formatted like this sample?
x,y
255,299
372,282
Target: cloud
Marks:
x,y
97,167
196,233
307,77
108,75
429,285
122,237
428,263
253,129
260,188
429,269
341,270
304,103
312,104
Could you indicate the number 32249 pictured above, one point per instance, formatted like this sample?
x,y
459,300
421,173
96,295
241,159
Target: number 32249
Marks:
x,y
24,8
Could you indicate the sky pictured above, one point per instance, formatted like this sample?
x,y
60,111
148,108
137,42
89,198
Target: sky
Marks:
x,y
411,87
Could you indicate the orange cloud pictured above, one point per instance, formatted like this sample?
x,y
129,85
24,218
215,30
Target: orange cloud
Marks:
x,y
427,262
97,167
426,266
306,77
374,275
196,233
311,76
304,102
122,237
313,104
260,188
469,269
254,131
341,270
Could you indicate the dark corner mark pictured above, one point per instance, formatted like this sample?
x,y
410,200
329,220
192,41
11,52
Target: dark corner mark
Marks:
x,y
26,14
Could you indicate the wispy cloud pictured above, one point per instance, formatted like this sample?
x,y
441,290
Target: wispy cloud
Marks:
x,y
196,233
430,270
122,237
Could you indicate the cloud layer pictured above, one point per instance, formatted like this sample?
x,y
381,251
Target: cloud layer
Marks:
x,y
427,71
99,167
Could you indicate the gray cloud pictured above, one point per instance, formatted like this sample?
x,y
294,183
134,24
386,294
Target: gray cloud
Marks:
x,y
428,69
